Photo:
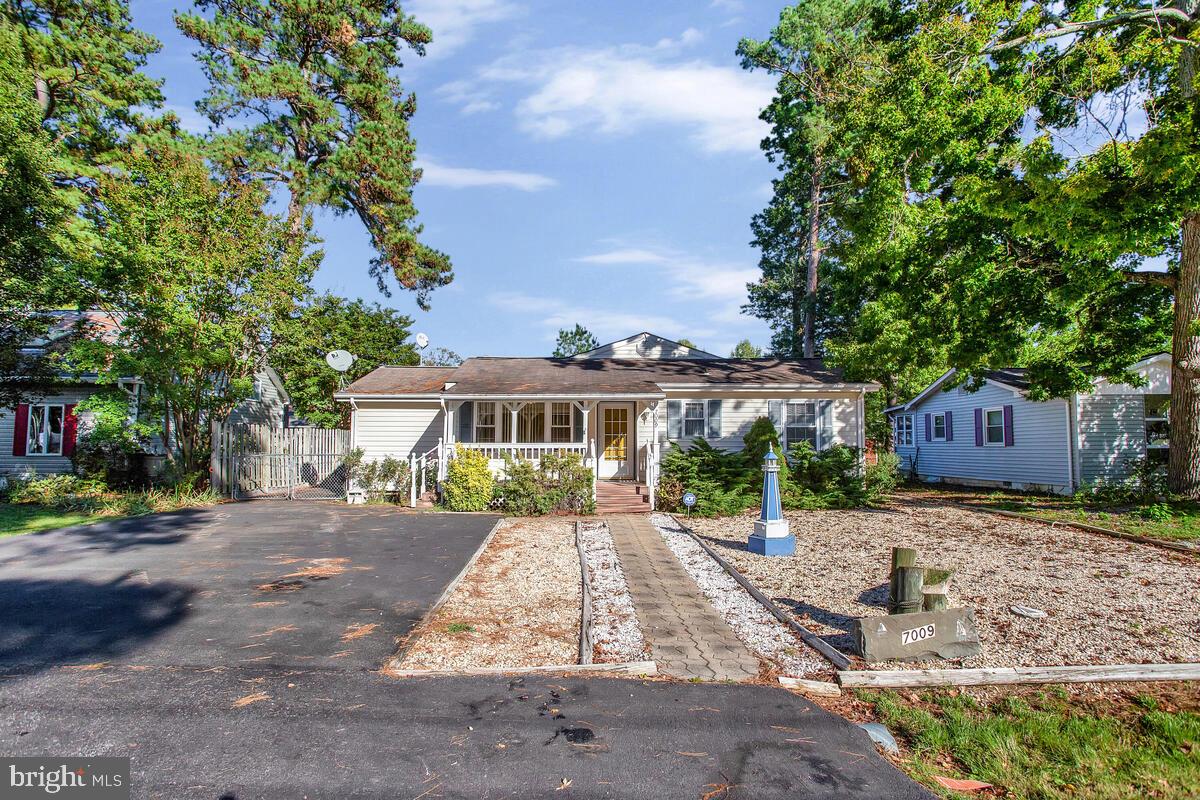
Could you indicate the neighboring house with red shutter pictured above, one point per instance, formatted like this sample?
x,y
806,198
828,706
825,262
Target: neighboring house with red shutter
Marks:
x,y
996,436
39,435
618,406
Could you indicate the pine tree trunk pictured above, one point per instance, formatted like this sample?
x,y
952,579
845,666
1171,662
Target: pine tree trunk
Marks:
x,y
1184,465
814,260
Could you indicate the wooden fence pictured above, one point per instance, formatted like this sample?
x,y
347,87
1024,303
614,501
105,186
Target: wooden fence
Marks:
x,y
252,460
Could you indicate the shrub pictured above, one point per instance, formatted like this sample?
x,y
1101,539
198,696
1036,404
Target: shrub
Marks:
x,y
382,481
112,448
1145,485
722,482
881,478
559,484
469,484
67,492
761,438
831,478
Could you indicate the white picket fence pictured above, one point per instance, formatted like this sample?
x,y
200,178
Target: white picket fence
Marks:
x,y
260,461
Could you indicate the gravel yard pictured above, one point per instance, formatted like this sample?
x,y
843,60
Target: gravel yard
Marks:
x,y
1109,602
518,606
616,635
753,624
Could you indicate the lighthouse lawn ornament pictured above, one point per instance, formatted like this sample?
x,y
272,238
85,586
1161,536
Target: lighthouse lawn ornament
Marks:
x,y
771,536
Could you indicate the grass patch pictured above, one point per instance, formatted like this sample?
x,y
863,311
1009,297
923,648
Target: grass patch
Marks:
x,y
459,627
15,520
1048,743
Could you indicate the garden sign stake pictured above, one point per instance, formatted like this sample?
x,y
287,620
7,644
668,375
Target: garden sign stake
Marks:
x,y
771,536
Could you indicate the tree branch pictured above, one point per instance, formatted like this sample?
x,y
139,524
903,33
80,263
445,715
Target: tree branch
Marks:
x,y
1156,15
1151,278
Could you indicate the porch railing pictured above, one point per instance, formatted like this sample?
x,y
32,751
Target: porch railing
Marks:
x,y
526,452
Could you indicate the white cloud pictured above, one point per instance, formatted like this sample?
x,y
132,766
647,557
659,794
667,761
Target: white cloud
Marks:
x,y
467,95
190,119
607,324
454,22
732,6
619,90
689,278
435,174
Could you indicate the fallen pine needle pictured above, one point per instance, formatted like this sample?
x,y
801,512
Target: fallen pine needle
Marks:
x,y
257,697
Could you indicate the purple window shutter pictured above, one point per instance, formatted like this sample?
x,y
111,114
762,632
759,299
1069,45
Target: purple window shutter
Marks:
x,y
979,427
21,429
1008,434
928,427
949,428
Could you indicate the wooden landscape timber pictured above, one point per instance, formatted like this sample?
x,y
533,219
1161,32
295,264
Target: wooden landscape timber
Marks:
x,y
637,668
585,617
1001,676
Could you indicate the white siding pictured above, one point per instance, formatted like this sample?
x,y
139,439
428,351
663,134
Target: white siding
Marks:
x,y
396,429
1112,434
739,412
1038,457
10,464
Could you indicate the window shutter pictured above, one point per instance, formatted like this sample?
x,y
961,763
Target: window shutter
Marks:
x,y
714,419
466,421
674,419
824,424
929,427
1008,432
21,429
576,424
949,428
979,427
775,412
70,430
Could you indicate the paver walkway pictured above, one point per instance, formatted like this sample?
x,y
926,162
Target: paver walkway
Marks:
x,y
688,638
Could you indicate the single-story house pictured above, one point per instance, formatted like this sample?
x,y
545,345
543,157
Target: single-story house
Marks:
x,y
996,436
617,406
39,436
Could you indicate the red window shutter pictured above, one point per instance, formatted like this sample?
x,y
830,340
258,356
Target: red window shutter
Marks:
x,y
70,429
21,429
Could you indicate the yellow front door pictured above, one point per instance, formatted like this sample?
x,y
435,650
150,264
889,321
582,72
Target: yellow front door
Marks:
x,y
616,450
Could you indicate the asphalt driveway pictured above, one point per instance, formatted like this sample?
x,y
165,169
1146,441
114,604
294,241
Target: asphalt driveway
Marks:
x,y
232,654
277,584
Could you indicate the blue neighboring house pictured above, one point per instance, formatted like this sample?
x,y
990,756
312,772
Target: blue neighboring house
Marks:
x,y
995,436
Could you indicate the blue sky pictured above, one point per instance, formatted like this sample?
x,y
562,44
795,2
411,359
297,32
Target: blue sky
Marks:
x,y
594,163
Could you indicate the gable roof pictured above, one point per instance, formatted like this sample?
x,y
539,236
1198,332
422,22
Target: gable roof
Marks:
x,y
643,345
571,377
1014,378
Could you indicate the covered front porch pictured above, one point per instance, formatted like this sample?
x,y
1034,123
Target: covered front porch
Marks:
x,y
616,436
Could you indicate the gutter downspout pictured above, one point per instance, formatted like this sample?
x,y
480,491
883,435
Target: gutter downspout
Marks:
x,y
350,493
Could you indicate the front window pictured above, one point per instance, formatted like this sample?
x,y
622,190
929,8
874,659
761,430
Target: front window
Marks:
x,y
904,430
1158,422
560,422
939,427
45,430
994,426
485,422
801,423
693,419
531,423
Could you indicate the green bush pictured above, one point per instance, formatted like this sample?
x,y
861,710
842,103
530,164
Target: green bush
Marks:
x,y
560,483
111,450
1145,485
469,485
382,481
66,492
882,477
723,482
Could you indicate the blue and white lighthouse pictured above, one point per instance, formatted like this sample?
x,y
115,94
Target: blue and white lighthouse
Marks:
x,y
771,536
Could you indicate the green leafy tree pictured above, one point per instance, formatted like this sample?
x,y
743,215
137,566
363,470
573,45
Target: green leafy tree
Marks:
x,y
821,50
689,343
299,342
744,349
205,274
577,340
1005,249
441,357
326,118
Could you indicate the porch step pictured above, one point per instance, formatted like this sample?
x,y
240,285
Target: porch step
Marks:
x,y
622,497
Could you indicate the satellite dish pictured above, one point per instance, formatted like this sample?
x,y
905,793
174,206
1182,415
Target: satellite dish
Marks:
x,y
422,341
340,360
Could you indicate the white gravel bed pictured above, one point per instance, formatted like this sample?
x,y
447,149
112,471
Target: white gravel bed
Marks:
x,y
616,635
1108,601
753,624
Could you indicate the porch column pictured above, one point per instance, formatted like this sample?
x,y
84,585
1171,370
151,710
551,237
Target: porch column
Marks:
x,y
513,408
652,456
